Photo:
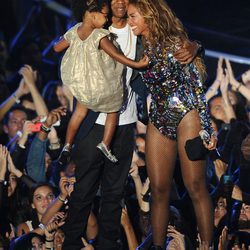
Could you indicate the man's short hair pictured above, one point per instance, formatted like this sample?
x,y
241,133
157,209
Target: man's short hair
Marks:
x,y
14,108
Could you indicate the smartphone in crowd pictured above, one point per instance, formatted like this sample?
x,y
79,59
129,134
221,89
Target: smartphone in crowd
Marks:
x,y
35,127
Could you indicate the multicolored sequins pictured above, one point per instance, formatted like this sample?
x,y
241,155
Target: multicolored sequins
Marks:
x,y
175,90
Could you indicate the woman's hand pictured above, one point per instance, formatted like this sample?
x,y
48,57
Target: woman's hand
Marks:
x,y
22,89
224,84
235,84
3,161
219,71
213,89
28,75
145,187
66,186
220,168
212,143
51,228
125,221
134,170
12,168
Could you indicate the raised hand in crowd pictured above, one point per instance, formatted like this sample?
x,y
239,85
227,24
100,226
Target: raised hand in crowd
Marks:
x,y
50,231
3,170
223,241
3,162
220,168
29,77
87,246
13,99
66,186
36,157
236,85
128,228
12,169
177,241
55,115
11,235
246,77
145,205
229,111
140,191
220,211
213,89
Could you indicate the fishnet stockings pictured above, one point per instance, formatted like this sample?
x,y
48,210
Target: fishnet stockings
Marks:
x,y
160,155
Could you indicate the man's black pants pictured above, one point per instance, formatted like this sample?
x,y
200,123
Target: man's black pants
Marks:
x,y
92,170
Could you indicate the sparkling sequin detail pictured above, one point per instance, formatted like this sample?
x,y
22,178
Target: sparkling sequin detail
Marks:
x,y
175,90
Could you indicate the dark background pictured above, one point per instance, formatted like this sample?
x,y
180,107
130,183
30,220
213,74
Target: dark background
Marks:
x,y
222,25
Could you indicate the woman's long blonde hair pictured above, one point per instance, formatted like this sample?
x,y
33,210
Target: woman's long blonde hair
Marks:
x,y
164,27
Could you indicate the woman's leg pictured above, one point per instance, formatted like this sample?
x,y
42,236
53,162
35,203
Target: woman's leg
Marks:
x,y
160,158
194,177
76,119
110,126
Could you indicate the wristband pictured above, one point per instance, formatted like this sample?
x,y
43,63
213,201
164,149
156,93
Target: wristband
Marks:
x,y
45,129
42,226
238,87
17,100
62,200
49,240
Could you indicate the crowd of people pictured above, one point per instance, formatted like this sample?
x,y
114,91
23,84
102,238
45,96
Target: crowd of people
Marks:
x,y
121,144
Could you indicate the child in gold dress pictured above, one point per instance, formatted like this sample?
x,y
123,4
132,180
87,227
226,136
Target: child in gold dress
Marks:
x,y
92,68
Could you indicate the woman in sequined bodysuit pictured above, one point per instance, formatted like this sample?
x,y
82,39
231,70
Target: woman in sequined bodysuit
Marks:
x,y
178,112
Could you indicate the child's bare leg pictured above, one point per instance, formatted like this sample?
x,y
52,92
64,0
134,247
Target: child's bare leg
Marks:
x,y
109,130
76,119
110,126
74,124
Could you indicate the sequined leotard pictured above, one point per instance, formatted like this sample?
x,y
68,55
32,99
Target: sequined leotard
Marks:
x,y
175,90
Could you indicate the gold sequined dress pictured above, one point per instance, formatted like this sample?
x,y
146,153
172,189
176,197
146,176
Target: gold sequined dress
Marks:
x,y
93,77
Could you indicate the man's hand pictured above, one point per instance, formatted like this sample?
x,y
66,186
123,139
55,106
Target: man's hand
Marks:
x,y
187,52
54,116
